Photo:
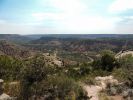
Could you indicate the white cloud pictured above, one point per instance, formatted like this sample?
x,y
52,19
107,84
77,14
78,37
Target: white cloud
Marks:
x,y
46,16
125,24
77,22
11,28
69,24
88,24
119,6
21,28
74,16
70,16
124,28
67,6
129,17
2,21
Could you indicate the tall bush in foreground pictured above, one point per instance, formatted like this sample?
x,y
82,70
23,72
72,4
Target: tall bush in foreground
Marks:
x,y
41,81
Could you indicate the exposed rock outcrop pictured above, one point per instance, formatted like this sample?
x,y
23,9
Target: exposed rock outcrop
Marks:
x,y
13,50
104,81
101,84
52,60
128,94
123,53
3,96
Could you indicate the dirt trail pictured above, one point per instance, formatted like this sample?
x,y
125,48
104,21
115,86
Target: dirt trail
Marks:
x,y
93,91
121,54
91,60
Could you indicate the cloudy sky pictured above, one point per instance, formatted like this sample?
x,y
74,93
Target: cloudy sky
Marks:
x,y
66,16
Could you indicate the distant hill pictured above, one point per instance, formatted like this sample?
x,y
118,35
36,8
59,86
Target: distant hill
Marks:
x,y
115,43
15,38
26,38
10,49
83,36
71,42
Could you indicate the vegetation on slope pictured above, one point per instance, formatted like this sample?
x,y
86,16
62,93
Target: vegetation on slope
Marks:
x,y
36,78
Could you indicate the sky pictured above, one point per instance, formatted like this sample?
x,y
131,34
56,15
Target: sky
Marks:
x,y
66,16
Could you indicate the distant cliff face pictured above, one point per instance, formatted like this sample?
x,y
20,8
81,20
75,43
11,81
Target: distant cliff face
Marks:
x,y
10,49
15,38
80,45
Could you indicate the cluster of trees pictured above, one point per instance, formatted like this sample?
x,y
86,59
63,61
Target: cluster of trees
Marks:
x,y
106,62
125,72
10,68
80,45
40,81
37,80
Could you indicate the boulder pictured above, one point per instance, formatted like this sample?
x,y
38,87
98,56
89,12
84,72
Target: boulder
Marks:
x,y
5,97
1,86
125,94
128,94
113,91
104,81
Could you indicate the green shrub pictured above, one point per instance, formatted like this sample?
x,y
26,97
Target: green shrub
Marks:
x,y
10,68
106,63
61,87
40,80
12,88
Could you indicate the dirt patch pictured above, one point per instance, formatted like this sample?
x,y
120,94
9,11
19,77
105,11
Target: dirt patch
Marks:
x,y
93,91
117,97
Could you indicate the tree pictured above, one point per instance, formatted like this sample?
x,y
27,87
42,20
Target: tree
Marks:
x,y
62,88
108,62
10,68
34,72
39,80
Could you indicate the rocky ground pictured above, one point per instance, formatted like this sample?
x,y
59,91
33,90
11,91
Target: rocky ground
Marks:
x,y
93,91
124,53
101,84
